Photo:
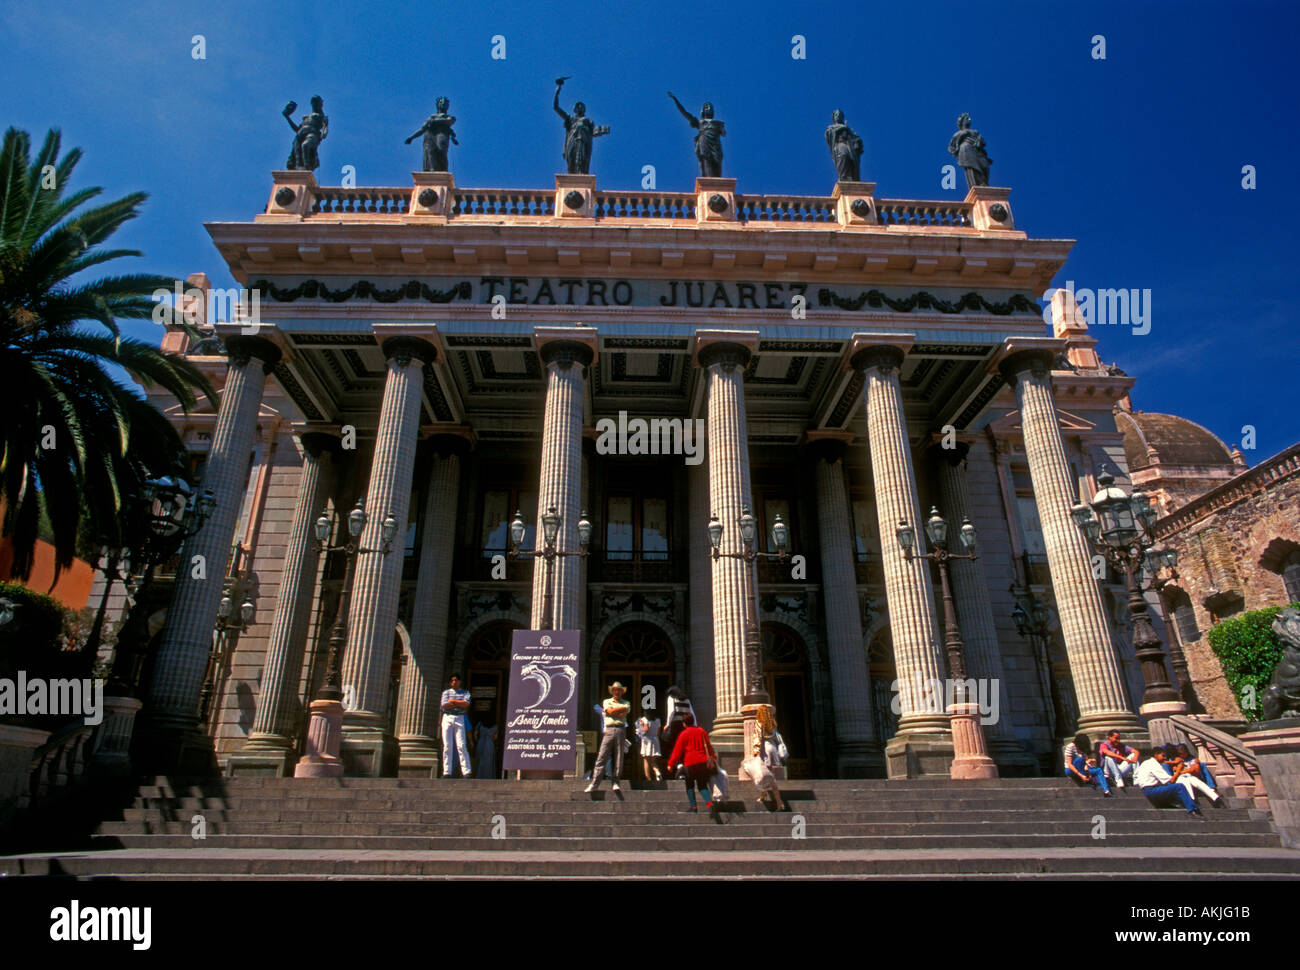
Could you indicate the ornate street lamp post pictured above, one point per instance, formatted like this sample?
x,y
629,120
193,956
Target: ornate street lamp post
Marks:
x,y
230,623
165,506
755,691
970,750
1118,527
166,516
324,727
549,552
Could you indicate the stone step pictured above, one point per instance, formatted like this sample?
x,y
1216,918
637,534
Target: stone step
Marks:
x,y
1169,824
345,814
1235,863
712,840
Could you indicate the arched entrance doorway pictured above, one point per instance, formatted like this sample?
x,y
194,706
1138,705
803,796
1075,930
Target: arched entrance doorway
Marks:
x,y
487,669
640,656
786,677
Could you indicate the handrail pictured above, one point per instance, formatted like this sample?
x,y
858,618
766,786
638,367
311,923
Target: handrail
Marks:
x,y
1233,763
61,761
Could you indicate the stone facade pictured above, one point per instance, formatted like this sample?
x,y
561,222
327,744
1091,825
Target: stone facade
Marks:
x,y
758,337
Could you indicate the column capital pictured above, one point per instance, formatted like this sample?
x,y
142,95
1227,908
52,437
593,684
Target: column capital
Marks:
x,y
1020,354
954,455
727,347
884,351
242,348
317,442
827,445
447,439
404,349
567,344
411,340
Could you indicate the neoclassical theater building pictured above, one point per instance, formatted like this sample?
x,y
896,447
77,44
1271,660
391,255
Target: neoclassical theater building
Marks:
x,y
448,356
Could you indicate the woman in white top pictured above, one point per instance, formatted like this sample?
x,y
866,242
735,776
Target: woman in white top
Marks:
x,y
647,729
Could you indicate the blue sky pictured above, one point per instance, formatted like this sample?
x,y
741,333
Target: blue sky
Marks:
x,y
1138,157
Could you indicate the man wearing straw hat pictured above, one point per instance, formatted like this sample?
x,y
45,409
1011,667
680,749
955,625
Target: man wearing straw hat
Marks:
x,y
616,712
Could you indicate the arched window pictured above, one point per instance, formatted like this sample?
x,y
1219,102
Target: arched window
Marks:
x,y
1291,577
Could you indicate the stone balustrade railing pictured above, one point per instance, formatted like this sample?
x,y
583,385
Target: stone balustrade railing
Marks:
x,y
1248,483
59,765
1233,764
296,194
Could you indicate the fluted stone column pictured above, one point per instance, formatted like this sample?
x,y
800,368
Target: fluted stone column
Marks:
x,y
858,751
1094,665
923,744
560,484
368,749
703,681
970,592
422,678
735,582
271,742
172,739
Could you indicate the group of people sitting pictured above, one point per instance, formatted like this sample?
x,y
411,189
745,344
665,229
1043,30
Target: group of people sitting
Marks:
x,y
692,756
1171,775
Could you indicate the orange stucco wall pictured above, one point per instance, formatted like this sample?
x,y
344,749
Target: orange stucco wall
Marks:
x,y
73,586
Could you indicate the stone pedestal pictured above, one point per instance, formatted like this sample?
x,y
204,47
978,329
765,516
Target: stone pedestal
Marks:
x,y
715,200
324,731
855,204
17,747
990,208
1277,746
291,195
575,196
432,198
971,759
112,755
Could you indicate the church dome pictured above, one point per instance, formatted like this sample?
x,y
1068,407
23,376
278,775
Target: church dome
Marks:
x,y
1171,440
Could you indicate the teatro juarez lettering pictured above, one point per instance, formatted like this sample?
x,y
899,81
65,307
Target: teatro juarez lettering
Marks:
x,y
711,294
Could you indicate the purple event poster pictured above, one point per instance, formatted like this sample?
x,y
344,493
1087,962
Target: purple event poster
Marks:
x,y
542,706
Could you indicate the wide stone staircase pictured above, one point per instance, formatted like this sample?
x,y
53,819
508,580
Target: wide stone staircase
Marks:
x,y
368,828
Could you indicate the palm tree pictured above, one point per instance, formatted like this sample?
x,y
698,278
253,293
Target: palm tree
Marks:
x,y
76,441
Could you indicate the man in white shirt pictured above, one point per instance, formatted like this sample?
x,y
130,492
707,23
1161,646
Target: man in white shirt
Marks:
x,y
616,711
1163,788
454,705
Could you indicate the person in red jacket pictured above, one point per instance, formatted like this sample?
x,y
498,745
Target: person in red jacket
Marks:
x,y
694,750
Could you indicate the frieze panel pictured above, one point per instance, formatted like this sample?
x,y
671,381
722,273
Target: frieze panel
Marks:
x,y
617,604
296,391
923,300
476,604
365,290
793,605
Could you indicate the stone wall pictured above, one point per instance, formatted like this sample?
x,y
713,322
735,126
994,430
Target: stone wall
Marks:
x,y
1226,542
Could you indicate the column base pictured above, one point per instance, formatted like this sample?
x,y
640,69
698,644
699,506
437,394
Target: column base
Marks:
x,y
170,745
1162,708
859,759
368,752
728,737
1100,723
418,757
1012,759
919,756
265,756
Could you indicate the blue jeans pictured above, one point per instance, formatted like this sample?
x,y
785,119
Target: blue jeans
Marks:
x,y
1097,776
1168,793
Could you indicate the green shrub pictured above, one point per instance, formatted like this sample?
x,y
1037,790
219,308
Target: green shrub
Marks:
x,y
1248,650
43,639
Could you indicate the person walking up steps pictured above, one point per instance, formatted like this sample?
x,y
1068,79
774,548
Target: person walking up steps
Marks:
x,y
694,750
